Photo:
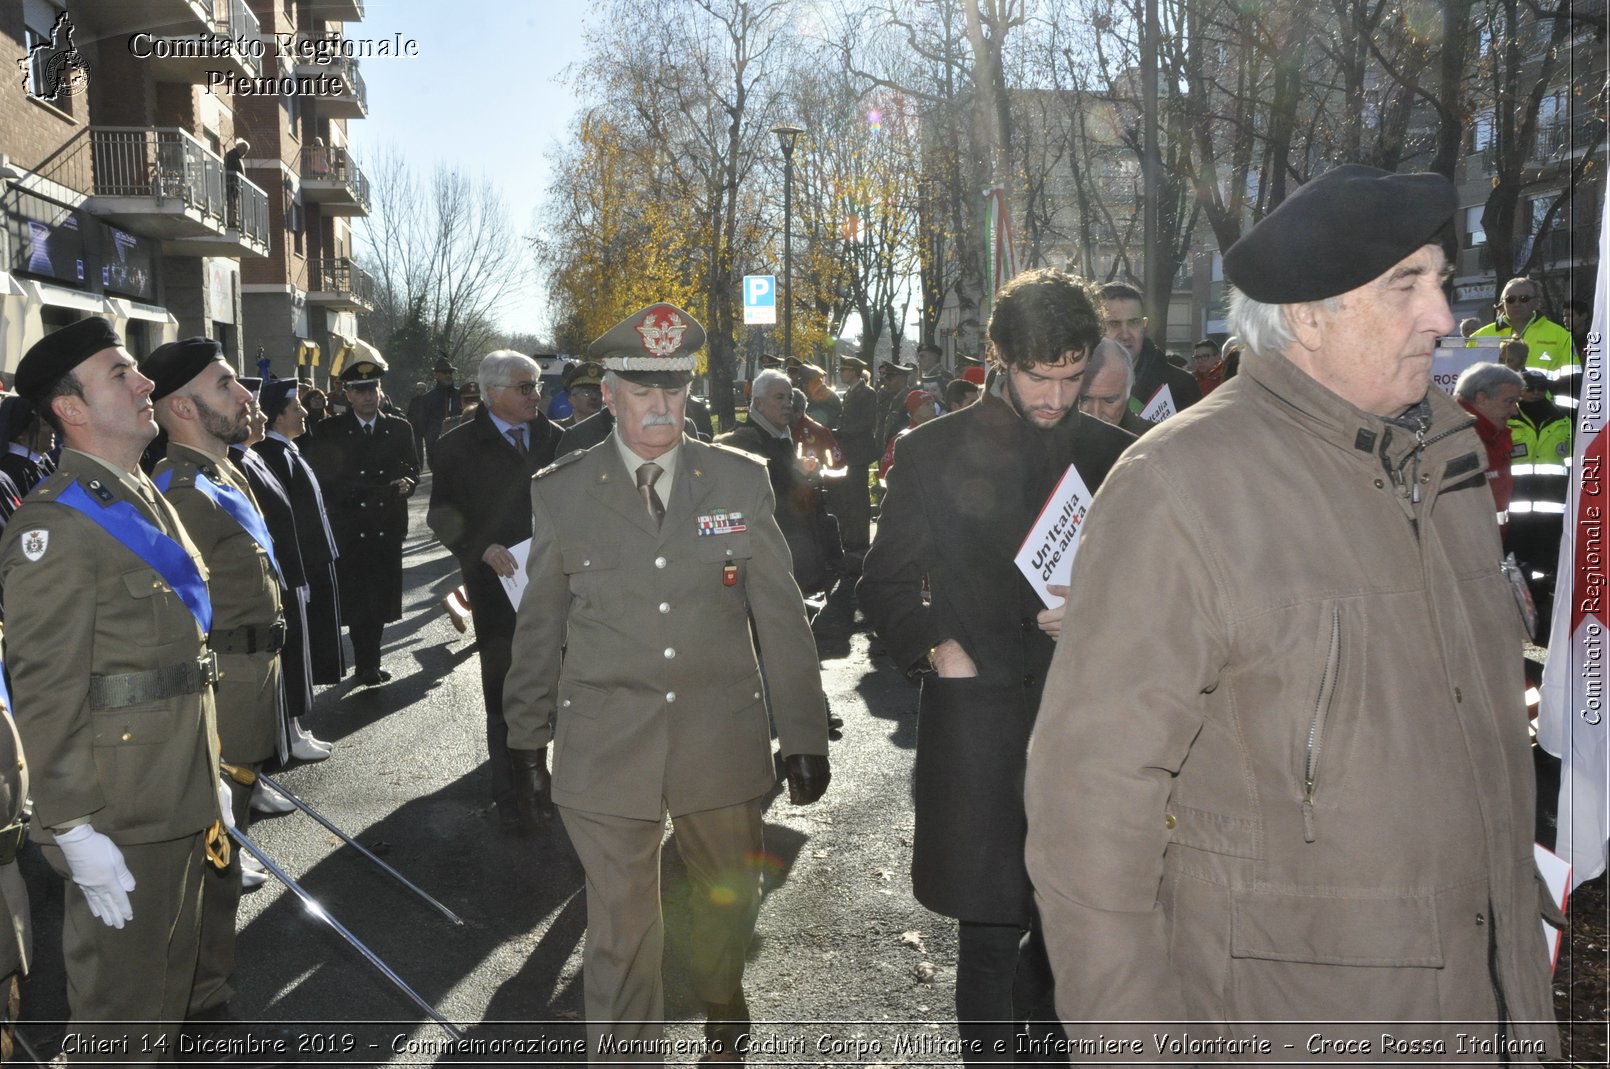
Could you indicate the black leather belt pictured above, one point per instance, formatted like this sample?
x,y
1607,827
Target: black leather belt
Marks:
x,y
12,837
252,638
135,688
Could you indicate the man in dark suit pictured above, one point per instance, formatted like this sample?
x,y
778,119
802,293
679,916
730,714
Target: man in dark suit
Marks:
x,y
657,566
480,507
942,590
1125,322
441,406
857,434
365,461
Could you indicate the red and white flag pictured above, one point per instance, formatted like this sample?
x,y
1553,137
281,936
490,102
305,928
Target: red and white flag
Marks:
x,y
1571,718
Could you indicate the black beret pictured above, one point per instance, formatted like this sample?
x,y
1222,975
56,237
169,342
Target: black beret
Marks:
x,y
172,365
275,397
57,353
1343,229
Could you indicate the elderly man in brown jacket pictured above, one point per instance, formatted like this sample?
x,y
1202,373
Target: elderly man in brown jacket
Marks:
x,y
1309,798
655,567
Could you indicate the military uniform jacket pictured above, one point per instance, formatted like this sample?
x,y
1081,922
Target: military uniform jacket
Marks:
x,y
658,702
78,603
857,428
245,593
356,471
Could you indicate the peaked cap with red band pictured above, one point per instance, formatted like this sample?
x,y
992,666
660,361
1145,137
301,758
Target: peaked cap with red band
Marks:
x,y
652,347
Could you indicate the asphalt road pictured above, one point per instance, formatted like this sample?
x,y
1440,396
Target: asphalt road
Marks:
x,y
846,968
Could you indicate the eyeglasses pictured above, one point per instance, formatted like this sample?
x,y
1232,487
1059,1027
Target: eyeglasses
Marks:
x,y
526,388
1519,300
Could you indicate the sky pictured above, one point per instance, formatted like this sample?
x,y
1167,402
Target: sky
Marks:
x,y
483,94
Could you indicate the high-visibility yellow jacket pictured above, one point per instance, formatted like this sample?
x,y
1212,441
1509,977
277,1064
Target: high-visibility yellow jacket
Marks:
x,y
1549,350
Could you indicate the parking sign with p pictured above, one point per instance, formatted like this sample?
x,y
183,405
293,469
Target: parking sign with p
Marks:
x,y
760,300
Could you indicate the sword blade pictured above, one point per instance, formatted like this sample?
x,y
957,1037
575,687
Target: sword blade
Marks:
x,y
313,907
356,845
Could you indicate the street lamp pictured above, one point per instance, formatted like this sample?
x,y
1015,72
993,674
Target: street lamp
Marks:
x,y
786,136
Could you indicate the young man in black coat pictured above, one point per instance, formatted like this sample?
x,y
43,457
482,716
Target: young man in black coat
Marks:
x,y
480,507
964,492
368,469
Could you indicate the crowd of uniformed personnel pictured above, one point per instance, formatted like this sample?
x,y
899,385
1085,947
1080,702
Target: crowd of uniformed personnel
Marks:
x,y
175,581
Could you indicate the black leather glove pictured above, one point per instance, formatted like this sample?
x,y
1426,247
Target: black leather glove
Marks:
x,y
808,777
533,786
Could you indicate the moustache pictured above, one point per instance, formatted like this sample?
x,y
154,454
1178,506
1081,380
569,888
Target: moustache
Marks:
x,y
657,420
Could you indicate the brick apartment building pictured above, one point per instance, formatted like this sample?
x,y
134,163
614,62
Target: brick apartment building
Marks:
x,y
124,190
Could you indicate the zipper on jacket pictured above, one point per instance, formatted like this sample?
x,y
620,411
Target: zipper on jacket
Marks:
x,y
1316,727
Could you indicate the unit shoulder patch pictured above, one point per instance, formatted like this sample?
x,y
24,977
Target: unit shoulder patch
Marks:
x,y
34,543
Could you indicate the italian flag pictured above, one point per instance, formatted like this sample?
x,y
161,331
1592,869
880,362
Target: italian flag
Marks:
x,y
1571,719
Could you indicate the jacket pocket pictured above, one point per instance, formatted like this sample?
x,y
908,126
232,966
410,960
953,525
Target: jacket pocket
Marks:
x,y
589,568
1395,932
715,549
147,590
1331,670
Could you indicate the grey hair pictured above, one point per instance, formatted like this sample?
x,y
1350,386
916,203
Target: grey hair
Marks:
x,y
801,402
771,374
497,368
1484,378
1109,350
1265,328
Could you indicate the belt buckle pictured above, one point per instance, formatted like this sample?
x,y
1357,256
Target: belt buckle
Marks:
x,y
207,663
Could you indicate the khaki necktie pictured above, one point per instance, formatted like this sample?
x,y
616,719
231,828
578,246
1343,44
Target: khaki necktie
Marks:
x,y
647,475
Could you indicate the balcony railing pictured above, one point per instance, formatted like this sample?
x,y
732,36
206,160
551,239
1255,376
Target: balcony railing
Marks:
x,y
323,164
353,100
175,172
349,284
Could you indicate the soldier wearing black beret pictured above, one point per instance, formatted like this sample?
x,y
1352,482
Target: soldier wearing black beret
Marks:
x,y
205,409
366,465
107,613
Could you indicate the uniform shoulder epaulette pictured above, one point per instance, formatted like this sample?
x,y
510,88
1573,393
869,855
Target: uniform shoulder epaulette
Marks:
x,y
47,490
568,458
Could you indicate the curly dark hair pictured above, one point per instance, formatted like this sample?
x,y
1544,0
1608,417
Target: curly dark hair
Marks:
x,y
1040,315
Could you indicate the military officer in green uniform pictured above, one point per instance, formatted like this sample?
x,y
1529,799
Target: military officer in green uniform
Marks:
x,y
107,613
205,409
651,553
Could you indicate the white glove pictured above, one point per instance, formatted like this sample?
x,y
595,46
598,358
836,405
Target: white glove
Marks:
x,y
226,802
97,867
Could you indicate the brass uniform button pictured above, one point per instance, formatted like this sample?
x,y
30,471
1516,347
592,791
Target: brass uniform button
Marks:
x,y
1169,821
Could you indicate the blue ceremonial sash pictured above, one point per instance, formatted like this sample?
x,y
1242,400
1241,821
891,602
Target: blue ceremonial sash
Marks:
x,y
237,504
166,557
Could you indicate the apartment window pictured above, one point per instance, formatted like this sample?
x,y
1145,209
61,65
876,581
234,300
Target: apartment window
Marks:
x,y
1475,235
38,23
1481,137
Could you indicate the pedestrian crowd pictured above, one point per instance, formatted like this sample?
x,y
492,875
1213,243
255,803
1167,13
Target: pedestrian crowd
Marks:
x,y
1258,759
